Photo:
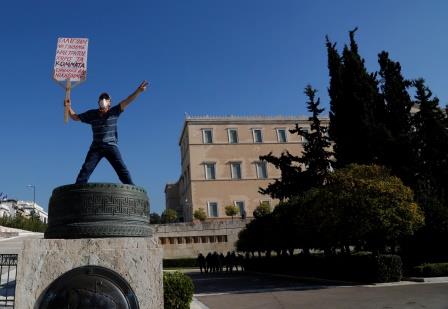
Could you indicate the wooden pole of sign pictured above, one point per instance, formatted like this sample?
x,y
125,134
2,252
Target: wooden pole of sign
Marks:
x,y
68,87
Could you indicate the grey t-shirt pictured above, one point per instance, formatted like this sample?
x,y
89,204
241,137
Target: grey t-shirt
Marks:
x,y
104,126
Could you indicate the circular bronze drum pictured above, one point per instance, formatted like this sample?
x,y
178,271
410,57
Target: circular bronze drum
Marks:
x,y
89,287
97,210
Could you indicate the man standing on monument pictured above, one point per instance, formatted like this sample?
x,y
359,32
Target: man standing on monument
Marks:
x,y
105,137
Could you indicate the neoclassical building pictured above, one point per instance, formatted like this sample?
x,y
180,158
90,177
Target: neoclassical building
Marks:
x,y
220,162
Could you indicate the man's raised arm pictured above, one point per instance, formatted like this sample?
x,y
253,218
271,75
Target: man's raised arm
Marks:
x,y
134,95
71,112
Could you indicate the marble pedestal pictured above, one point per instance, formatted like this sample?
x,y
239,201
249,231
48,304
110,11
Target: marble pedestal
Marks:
x,y
138,260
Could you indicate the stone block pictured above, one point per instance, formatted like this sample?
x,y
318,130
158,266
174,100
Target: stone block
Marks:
x,y
137,260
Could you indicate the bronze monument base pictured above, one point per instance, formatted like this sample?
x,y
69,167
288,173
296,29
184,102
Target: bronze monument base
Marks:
x,y
98,210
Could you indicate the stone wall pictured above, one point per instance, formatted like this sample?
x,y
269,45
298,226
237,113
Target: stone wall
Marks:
x,y
186,240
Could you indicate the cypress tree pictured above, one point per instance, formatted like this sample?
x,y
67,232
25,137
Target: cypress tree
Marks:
x,y
394,89
338,115
430,142
357,109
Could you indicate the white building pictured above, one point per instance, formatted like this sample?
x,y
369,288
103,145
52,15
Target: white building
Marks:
x,y
6,208
11,207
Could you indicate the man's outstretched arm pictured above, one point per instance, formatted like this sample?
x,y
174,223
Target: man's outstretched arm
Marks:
x,y
134,95
71,112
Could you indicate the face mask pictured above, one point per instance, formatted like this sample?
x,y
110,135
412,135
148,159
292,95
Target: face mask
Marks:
x,y
104,104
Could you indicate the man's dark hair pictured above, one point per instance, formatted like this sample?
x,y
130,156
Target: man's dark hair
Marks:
x,y
104,95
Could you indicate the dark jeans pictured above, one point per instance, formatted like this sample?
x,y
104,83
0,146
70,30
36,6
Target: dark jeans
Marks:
x,y
112,154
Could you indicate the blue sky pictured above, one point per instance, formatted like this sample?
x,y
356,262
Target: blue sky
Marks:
x,y
202,57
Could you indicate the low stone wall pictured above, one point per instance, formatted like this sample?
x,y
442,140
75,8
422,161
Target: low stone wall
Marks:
x,y
187,240
8,234
4,229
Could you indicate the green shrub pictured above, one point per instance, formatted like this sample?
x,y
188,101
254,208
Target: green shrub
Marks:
x,y
431,270
32,224
388,268
200,214
180,263
178,290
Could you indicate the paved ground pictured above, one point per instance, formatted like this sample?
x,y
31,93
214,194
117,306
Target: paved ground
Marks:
x,y
239,290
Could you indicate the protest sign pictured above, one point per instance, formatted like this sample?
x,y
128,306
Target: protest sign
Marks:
x,y
71,59
70,65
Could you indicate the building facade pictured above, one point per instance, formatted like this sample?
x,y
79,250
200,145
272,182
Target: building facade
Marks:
x,y
11,207
220,162
187,240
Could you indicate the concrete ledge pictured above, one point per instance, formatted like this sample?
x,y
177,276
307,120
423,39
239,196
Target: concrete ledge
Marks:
x,y
427,279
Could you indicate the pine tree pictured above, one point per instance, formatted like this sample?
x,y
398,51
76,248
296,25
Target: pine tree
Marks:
x,y
394,89
315,157
357,109
292,180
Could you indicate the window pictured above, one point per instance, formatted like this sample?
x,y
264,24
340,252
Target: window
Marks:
x,y
183,148
233,136
235,170
212,209
207,136
262,171
210,171
281,135
258,137
185,181
187,175
240,206
304,140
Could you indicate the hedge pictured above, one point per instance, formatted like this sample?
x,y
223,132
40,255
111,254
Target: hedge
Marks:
x,y
388,268
431,270
178,290
357,268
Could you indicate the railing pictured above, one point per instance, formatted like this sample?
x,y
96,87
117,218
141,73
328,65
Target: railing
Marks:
x,y
242,117
8,271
